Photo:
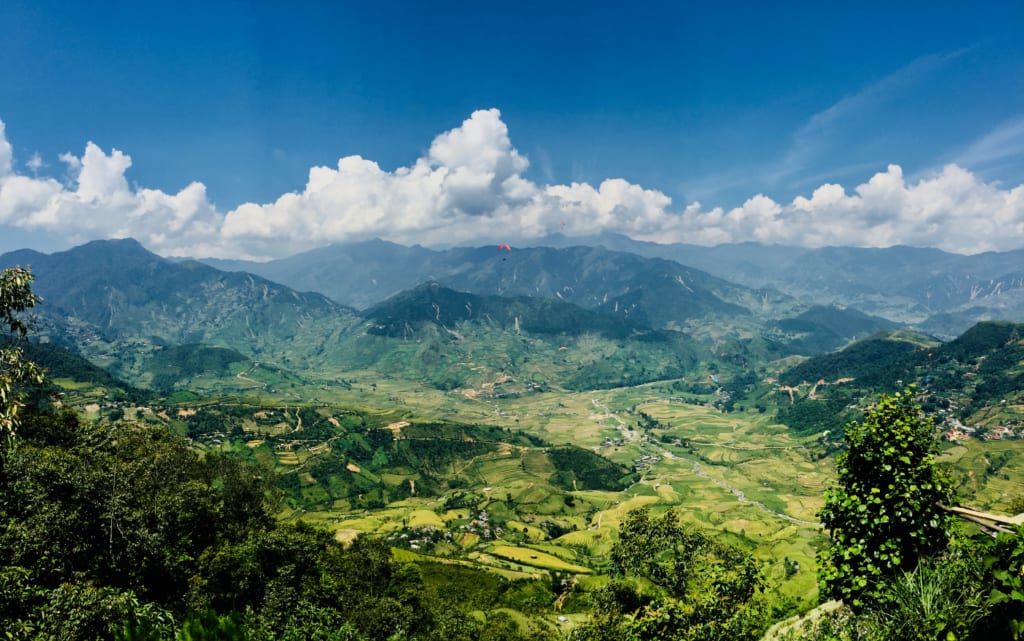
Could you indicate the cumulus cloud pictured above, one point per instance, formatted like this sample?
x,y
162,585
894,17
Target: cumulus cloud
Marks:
x,y
471,186
99,203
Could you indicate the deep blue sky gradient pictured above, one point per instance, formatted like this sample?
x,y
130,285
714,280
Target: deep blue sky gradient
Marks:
x,y
701,100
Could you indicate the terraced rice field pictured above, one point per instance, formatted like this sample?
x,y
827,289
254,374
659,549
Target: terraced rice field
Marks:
x,y
536,558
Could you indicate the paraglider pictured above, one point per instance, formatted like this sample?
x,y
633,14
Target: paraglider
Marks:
x,y
505,247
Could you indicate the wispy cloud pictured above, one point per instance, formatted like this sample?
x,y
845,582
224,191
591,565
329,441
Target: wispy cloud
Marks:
x,y
1003,142
819,133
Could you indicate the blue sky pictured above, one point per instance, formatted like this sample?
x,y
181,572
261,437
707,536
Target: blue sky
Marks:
x,y
713,102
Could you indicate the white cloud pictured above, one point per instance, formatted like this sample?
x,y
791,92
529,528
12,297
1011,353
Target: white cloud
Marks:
x,y
99,203
35,163
470,187
6,153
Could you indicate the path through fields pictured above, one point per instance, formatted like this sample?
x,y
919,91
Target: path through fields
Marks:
x,y
698,471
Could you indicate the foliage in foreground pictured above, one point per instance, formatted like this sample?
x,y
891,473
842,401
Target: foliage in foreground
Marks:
x,y
126,531
15,372
704,590
885,514
964,594
890,559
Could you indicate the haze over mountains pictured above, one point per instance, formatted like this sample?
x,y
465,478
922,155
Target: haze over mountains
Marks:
x,y
836,294
574,316
940,291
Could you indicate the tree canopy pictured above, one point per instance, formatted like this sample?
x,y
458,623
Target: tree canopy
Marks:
x,y
704,589
885,513
15,297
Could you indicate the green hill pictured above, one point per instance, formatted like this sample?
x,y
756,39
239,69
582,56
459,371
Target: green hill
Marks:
x,y
117,302
61,363
977,378
825,328
874,363
170,365
509,345
432,303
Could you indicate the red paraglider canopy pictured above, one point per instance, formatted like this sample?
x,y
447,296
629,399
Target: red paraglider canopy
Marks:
x,y
505,246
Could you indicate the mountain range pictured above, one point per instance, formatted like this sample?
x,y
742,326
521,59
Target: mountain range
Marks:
x,y
661,292
138,314
592,316
909,284
938,291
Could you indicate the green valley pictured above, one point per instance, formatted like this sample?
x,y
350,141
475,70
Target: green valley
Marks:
x,y
491,448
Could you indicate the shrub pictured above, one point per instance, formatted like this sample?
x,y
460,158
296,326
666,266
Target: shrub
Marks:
x,y
886,512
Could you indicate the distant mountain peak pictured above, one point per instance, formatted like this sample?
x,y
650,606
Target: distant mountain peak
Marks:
x,y
113,244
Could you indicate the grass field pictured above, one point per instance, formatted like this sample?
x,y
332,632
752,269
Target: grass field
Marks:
x,y
740,474
536,558
735,473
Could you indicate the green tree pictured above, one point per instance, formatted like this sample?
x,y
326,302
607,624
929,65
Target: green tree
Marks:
x,y
705,590
886,512
15,372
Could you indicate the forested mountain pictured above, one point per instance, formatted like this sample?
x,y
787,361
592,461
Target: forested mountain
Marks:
x,y
121,289
976,378
116,302
660,292
433,303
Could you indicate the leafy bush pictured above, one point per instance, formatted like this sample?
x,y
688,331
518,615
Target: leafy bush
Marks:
x,y
707,590
885,513
1004,561
590,471
943,599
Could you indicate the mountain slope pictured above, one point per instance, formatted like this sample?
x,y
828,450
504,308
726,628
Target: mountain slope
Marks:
x,y
494,345
120,286
61,363
113,298
977,378
824,328
659,292
432,303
